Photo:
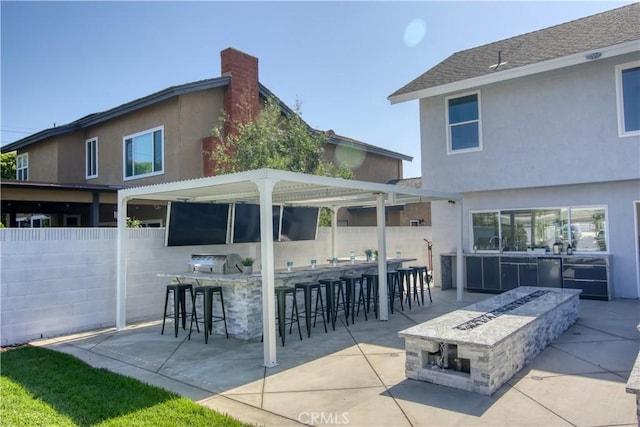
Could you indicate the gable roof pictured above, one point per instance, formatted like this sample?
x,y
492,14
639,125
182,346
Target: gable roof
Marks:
x,y
554,47
170,92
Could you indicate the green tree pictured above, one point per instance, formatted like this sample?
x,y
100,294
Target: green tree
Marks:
x,y
274,140
8,164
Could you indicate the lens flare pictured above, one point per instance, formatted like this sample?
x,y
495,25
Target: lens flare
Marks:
x,y
349,157
414,33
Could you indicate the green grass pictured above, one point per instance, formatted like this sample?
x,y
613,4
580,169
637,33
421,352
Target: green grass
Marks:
x,y
40,387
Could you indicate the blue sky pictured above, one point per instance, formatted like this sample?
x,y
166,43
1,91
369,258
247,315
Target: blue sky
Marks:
x,y
63,60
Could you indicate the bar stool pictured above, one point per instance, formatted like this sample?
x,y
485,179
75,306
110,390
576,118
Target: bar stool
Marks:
x,y
351,282
371,281
333,298
421,275
307,288
281,297
404,279
207,317
393,284
178,290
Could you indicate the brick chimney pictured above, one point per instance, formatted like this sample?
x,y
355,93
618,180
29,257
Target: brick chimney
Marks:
x,y
241,97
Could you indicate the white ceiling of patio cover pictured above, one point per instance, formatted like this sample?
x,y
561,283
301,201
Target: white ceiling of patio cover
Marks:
x,y
290,188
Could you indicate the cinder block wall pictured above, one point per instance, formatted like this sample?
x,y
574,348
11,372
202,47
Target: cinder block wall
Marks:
x,y
62,280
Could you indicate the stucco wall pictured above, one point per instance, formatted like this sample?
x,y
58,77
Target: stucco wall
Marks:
x,y
617,197
63,280
552,128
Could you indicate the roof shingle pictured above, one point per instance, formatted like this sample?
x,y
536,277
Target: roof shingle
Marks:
x,y
593,32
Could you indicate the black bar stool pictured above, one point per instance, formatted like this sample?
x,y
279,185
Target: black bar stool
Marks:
x,y
281,297
393,284
404,278
371,281
307,288
421,275
178,290
351,282
333,298
207,317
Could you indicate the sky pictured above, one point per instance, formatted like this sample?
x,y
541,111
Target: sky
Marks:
x,y
60,61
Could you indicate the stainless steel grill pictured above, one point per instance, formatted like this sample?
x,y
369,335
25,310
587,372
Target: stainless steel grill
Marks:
x,y
216,264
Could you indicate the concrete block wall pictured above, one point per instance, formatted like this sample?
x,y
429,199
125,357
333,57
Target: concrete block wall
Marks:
x,y
57,281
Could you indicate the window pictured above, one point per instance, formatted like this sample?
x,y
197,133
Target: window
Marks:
x,y
628,94
91,153
144,153
538,229
463,123
22,167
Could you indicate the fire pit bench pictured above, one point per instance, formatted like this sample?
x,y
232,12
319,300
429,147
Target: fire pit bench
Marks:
x,y
480,347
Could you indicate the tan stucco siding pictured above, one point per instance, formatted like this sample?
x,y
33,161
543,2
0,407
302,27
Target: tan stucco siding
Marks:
x,y
46,195
199,113
365,166
43,162
71,158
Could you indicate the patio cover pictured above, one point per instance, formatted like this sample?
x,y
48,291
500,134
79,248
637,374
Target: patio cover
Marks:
x,y
267,187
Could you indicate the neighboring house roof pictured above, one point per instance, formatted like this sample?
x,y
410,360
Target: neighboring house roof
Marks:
x,y
619,28
407,182
12,183
96,118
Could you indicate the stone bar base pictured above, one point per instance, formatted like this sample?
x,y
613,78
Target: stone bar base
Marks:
x,y
489,346
633,384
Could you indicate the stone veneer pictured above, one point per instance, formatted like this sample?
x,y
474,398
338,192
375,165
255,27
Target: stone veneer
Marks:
x,y
633,383
243,292
492,352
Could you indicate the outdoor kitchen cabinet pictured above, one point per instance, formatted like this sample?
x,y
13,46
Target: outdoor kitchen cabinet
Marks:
x,y
518,271
483,273
589,274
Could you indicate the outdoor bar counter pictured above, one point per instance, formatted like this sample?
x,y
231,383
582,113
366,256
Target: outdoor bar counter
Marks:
x,y
243,292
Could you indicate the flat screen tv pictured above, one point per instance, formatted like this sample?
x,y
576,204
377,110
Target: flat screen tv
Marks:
x,y
246,223
299,223
197,224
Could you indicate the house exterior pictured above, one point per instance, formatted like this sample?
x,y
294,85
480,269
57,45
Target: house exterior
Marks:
x,y
541,134
69,174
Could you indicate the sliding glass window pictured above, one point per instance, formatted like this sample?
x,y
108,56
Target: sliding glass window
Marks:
x,y
538,229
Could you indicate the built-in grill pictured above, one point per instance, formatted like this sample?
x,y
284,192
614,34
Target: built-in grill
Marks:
x,y
216,264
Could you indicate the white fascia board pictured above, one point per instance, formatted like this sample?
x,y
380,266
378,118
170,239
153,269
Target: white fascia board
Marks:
x,y
527,70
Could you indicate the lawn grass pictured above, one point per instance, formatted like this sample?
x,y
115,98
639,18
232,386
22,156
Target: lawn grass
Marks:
x,y
41,387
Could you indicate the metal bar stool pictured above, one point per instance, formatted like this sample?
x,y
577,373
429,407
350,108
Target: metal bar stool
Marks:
x,y
421,275
308,288
351,282
333,299
208,318
393,283
371,281
178,290
281,296
404,279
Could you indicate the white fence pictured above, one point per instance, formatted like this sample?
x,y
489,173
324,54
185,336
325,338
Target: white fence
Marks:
x,y
57,281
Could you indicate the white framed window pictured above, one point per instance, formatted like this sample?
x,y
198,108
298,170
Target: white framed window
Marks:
x,y
91,158
143,153
464,130
22,167
628,98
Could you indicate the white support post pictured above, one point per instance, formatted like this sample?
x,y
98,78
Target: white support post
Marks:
x,y
459,256
265,187
121,267
383,307
334,232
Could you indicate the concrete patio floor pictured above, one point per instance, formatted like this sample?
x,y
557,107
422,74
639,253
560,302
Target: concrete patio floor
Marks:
x,y
354,375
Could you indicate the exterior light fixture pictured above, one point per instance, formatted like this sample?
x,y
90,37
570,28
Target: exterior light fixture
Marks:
x,y
594,55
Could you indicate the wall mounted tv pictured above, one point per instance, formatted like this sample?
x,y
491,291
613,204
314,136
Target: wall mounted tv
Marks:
x,y
299,223
246,223
197,224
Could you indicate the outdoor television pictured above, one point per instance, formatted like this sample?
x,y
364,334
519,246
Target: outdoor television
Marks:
x,y
196,224
299,223
246,223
